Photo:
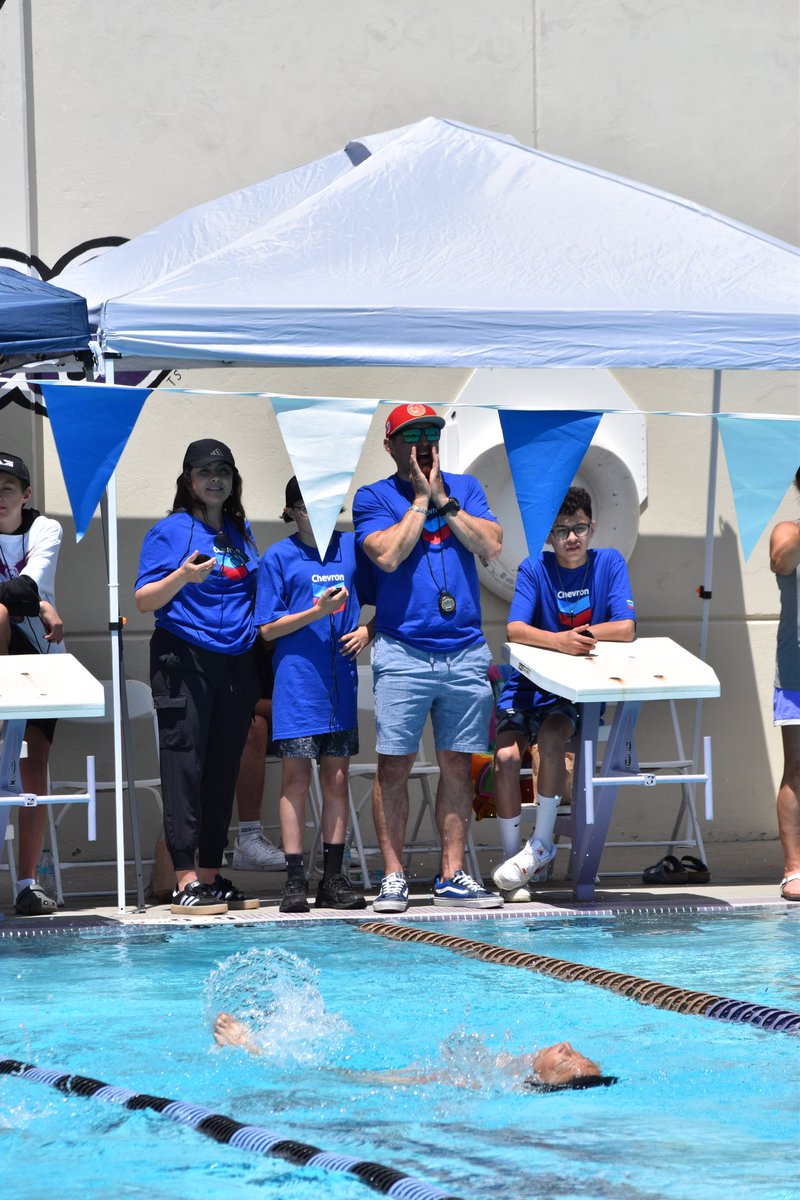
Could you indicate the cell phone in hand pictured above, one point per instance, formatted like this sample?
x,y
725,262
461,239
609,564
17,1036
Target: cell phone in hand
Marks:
x,y
201,558
587,633
334,591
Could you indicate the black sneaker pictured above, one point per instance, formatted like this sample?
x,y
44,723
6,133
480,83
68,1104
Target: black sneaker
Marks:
x,y
33,901
196,899
223,889
295,896
337,892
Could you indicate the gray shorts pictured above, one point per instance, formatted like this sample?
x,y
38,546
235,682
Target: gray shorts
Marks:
x,y
454,688
342,743
528,721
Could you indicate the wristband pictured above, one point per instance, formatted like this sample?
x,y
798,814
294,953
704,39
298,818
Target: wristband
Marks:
x,y
416,508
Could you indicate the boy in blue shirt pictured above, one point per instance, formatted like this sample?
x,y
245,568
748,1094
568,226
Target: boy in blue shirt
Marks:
x,y
565,601
308,605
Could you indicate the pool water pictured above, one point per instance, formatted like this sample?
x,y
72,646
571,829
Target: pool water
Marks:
x,y
702,1108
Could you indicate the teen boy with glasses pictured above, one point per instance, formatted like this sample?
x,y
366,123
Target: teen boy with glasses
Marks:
x,y
564,601
422,529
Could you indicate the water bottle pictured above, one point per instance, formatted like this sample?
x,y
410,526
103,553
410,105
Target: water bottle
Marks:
x,y
46,875
347,855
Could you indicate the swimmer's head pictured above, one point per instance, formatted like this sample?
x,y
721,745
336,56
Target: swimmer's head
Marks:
x,y
562,1066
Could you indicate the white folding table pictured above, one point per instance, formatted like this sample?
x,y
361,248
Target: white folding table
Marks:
x,y
42,685
626,674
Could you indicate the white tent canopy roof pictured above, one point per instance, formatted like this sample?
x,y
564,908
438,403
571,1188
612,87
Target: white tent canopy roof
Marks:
x,y
449,246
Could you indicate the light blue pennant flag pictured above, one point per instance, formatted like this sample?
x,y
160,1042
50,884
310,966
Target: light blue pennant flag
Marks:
x,y
544,451
324,436
91,425
762,456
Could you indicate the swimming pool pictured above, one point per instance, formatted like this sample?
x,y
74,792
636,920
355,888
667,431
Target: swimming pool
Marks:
x,y
702,1108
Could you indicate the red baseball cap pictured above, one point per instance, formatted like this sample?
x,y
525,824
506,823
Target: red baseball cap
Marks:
x,y
412,414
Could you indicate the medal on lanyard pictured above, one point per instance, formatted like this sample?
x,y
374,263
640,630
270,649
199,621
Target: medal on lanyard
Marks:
x,y
447,604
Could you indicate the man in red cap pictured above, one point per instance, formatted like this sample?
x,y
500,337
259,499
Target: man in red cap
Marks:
x,y
421,529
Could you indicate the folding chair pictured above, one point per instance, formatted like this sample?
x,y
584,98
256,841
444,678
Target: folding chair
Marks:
x,y
140,707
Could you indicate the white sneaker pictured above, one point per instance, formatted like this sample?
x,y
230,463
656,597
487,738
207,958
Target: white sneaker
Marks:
x,y
520,895
257,853
523,868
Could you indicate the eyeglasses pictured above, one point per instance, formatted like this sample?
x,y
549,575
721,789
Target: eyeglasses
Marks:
x,y
413,433
562,532
301,508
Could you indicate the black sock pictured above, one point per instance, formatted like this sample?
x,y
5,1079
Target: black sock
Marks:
x,y
294,867
332,859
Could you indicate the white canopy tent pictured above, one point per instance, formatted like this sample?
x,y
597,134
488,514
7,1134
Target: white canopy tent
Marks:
x,y
448,246
442,245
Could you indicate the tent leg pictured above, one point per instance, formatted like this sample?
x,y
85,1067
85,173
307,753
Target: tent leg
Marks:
x,y
708,569
127,741
116,676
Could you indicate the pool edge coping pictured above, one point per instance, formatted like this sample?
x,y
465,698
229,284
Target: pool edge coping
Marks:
x,y
160,922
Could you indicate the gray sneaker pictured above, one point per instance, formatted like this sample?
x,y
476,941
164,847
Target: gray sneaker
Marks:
x,y
34,902
257,853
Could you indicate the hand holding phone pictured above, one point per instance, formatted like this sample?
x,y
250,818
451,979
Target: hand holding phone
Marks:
x,y
201,558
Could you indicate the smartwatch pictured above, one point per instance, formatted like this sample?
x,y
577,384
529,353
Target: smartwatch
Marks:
x,y
450,508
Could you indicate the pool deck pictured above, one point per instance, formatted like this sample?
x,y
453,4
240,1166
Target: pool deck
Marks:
x,y
745,876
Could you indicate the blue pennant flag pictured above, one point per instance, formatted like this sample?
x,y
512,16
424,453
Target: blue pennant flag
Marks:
x,y
762,456
544,451
91,425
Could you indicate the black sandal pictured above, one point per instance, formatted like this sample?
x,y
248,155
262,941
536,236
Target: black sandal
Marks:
x,y
696,870
667,870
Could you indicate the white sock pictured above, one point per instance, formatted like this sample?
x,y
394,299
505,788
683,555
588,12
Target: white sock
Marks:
x,y
546,810
509,835
248,829
22,884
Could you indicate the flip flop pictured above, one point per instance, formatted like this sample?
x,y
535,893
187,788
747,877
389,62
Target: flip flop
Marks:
x,y
667,870
794,876
696,870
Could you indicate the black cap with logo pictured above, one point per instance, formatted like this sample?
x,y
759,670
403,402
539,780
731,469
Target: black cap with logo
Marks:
x,y
205,453
12,464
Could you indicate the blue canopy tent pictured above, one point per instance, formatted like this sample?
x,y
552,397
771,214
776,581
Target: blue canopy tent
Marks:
x,y
39,322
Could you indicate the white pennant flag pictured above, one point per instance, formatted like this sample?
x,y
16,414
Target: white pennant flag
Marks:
x,y
324,436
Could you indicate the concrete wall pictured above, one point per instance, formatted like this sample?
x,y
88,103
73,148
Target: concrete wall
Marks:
x,y
140,111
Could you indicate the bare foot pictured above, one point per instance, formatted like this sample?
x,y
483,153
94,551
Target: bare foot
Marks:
x,y
230,1032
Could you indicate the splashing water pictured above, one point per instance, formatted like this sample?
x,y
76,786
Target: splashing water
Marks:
x,y
275,995
467,1060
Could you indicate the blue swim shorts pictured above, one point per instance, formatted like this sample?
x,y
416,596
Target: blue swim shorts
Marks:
x,y
453,687
786,707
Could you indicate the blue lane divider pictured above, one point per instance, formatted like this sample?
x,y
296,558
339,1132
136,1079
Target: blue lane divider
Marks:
x,y
232,1133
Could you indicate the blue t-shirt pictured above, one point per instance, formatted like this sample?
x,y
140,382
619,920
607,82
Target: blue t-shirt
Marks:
x,y
553,598
407,600
315,685
217,614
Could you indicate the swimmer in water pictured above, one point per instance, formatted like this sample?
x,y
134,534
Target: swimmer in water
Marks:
x,y
557,1067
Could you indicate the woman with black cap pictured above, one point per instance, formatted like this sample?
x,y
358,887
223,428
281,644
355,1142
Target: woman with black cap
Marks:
x,y
197,573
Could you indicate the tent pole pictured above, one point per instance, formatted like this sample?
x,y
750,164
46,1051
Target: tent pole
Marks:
x,y
127,738
116,683
708,568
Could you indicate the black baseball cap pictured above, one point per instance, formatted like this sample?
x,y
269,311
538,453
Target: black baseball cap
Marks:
x,y
206,452
12,464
